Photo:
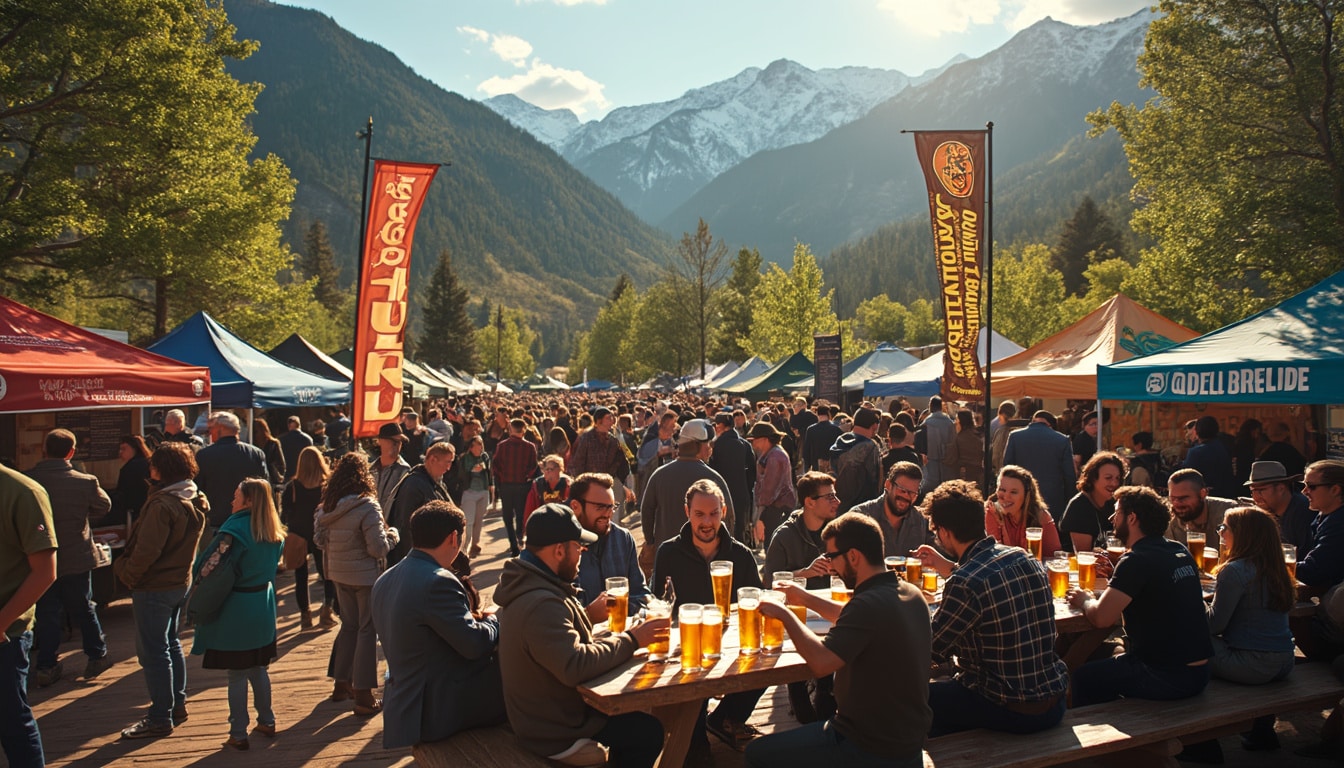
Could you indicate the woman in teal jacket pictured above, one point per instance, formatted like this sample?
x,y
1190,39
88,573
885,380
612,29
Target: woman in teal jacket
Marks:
x,y
242,639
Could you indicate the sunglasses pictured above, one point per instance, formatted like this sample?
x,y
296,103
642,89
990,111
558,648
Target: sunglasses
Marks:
x,y
1312,486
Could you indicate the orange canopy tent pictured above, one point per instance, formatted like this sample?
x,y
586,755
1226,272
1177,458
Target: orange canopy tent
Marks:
x,y
1065,365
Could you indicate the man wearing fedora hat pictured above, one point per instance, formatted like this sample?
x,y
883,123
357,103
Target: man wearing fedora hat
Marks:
x,y
389,467
1275,491
775,497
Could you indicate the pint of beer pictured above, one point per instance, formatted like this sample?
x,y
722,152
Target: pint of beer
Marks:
x,y
800,611
618,602
1194,541
658,609
721,575
896,565
1210,560
772,630
912,569
1087,570
749,620
780,577
930,580
711,634
839,592
1115,549
688,617
1290,560
1059,577
1034,542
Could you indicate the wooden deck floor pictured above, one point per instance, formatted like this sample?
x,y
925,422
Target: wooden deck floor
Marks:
x,y
81,722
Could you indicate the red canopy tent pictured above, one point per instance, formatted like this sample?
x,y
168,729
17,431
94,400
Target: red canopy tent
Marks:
x,y
49,365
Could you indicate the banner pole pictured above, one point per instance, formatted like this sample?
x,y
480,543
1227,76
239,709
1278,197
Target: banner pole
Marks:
x,y
988,330
356,408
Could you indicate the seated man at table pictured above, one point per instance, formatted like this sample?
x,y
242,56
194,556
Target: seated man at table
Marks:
x,y
1193,510
997,618
1323,567
878,650
593,500
547,648
1156,586
685,561
904,528
443,674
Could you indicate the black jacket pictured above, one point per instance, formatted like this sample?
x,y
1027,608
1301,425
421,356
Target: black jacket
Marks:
x,y
817,442
411,493
736,464
223,465
689,570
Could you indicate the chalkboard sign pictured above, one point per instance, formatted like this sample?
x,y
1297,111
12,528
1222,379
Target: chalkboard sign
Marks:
x,y
97,433
826,354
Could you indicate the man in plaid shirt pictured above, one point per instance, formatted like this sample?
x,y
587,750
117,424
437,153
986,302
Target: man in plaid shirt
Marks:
x,y
996,618
514,465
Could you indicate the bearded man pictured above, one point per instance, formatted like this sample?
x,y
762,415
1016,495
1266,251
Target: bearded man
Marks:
x,y
904,528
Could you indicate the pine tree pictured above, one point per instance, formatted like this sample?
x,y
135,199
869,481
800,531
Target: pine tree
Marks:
x,y
448,336
319,260
623,284
485,316
1088,237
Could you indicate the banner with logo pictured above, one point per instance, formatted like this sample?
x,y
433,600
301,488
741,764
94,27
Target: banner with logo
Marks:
x,y
955,172
395,199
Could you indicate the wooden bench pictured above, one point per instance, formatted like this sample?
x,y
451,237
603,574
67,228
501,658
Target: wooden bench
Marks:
x,y
1152,731
495,747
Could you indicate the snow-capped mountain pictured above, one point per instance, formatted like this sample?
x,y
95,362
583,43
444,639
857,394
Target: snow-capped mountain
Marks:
x,y
655,156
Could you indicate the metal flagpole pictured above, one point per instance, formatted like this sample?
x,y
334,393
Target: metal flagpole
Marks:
x,y
988,275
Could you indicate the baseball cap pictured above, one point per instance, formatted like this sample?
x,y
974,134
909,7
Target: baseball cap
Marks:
x,y
555,523
695,429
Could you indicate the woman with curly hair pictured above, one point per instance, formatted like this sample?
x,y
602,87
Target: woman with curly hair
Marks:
x,y
354,538
1017,506
1087,518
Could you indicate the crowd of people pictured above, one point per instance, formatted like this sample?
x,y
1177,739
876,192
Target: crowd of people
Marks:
x,y
805,488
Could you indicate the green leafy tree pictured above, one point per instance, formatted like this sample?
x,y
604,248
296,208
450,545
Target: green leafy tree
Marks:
x,y
699,266
447,335
1237,160
508,341
734,308
1088,237
880,319
924,325
128,147
601,348
1027,294
318,261
658,341
788,309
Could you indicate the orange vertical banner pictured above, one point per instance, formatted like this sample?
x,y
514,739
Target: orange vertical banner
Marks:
x,y
395,200
955,172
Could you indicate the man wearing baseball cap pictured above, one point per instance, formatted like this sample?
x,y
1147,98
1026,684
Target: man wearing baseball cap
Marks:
x,y
547,645
662,508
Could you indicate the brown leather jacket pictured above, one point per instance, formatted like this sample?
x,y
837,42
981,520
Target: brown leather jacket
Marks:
x,y
164,538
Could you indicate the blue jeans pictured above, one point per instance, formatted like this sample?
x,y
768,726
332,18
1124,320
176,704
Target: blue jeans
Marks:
x,y
261,699
512,499
958,708
1125,675
74,593
18,729
818,744
160,651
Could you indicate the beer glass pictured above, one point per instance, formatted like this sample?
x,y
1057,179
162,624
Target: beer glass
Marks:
x,y
721,575
688,618
1194,541
1210,560
1115,549
930,580
912,569
1034,542
781,577
772,630
896,565
618,602
658,609
1059,577
711,634
749,620
1290,560
839,592
1087,570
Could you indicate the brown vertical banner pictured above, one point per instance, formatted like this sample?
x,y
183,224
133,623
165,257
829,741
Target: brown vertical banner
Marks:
x,y
955,171
395,199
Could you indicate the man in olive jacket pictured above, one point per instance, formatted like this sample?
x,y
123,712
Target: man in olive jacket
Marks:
x,y
547,649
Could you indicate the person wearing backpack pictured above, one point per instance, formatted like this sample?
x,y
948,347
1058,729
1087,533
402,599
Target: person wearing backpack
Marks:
x,y
1145,466
241,639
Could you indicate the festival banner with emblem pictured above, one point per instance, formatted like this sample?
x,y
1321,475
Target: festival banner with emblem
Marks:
x,y
397,194
955,172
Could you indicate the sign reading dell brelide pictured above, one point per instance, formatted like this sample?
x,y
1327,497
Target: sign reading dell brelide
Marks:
x,y
1231,382
954,172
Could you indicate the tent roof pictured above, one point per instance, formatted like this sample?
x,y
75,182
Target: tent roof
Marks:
x,y
790,369
416,389
242,375
542,383
1289,354
750,369
593,385
296,351
47,364
436,386
1065,365
887,358
924,379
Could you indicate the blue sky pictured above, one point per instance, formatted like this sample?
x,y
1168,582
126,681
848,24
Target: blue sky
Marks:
x,y
595,55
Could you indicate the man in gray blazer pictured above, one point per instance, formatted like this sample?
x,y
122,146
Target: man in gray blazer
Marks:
x,y
443,670
1048,456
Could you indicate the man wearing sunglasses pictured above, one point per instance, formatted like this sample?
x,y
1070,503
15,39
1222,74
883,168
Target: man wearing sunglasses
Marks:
x,y
1323,567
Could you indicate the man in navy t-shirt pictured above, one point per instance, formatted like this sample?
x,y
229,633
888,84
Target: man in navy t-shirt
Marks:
x,y
1156,587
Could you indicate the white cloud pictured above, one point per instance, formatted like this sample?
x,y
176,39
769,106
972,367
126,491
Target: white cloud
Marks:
x,y
957,16
1081,12
514,50
935,19
479,34
550,87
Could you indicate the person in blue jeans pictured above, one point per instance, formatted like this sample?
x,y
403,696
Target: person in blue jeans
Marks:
x,y
27,569
156,566
1156,586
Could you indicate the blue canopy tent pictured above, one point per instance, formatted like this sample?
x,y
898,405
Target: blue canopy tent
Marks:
x,y
1290,354
925,378
242,376
593,385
